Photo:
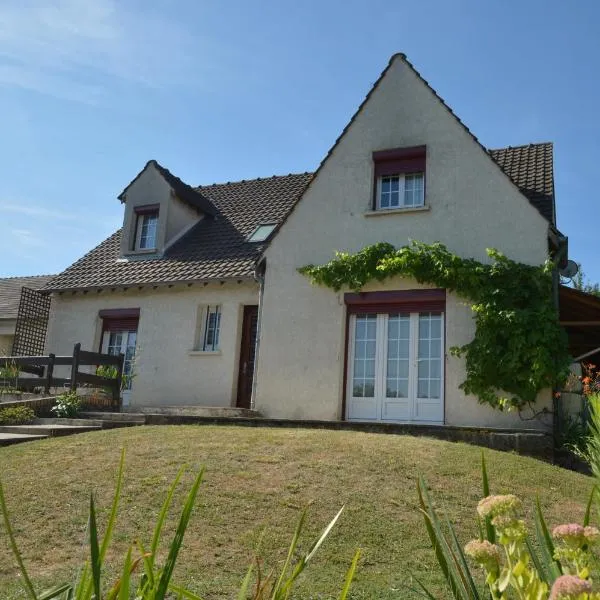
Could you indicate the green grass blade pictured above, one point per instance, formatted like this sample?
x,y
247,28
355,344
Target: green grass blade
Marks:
x,y
290,554
56,592
162,516
125,577
243,591
113,511
553,567
588,510
95,561
148,564
286,589
167,572
183,593
443,552
324,535
539,565
424,591
350,576
489,528
13,546
463,565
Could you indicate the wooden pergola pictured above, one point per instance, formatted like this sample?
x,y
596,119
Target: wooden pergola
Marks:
x,y
580,316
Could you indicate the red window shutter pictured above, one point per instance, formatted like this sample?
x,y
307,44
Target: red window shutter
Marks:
x,y
399,160
120,319
406,301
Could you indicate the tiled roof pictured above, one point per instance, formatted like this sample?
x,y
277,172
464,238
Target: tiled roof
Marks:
x,y
213,249
10,292
531,168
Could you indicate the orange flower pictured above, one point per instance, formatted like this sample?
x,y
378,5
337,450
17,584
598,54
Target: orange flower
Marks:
x,y
586,380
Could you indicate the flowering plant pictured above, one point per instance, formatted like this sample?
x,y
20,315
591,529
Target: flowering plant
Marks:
x,y
560,566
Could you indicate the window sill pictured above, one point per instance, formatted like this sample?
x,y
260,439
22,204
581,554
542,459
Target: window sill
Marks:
x,y
142,251
204,353
395,211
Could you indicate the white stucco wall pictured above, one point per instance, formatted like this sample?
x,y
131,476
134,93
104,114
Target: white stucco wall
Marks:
x,y
6,342
166,373
473,206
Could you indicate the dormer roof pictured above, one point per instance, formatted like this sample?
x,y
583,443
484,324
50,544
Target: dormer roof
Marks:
x,y
186,193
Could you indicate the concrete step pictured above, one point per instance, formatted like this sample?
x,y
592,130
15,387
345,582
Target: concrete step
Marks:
x,y
194,411
113,420
75,422
8,439
51,430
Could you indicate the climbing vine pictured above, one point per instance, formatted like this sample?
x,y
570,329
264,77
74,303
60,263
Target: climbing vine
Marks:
x,y
519,347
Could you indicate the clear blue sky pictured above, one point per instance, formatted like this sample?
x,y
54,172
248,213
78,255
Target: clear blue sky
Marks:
x,y
224,90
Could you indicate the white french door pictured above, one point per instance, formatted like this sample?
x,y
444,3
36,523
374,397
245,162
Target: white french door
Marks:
x,y
396,367
122,342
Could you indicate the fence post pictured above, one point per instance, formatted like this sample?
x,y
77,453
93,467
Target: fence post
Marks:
x,y
75,366
49,372
119,382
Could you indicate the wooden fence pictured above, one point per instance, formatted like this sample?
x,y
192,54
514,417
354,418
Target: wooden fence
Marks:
x,y
42,367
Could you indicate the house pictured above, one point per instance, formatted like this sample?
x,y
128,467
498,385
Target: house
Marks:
x,y
10,298
200,287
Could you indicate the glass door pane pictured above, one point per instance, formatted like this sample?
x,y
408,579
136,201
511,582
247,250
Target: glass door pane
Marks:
x,y
429,374
398,359
365,341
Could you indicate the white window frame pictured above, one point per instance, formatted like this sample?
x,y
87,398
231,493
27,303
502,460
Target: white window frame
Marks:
x,y
208,338
140,219
263,238
401,191
413,405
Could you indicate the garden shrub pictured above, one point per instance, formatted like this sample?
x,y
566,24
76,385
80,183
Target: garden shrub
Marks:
x,y
67,405
16,415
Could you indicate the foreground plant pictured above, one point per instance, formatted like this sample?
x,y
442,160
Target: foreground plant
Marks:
x,y
67,405
155,581
558,567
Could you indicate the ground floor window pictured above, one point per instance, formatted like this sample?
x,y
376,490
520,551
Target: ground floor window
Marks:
x,y
395,367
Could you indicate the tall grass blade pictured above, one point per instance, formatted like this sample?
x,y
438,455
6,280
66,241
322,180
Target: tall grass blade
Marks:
x,y
462,564
60,591
95,562
286,589
183,593
350,576
113,510
489,528
588,509
243,591
423,591
552,566
13,546
167,571
446,560
162,517
125,577
290,554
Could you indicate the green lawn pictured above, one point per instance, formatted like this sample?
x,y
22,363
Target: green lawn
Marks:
x,y
258,479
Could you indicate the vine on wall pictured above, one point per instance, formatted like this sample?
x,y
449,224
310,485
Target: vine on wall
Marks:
x,y
519,347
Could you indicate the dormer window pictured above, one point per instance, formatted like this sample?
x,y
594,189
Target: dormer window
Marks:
x,y
399,178
146,227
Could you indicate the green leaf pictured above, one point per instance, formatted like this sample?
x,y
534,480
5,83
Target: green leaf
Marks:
x,y
95,561
489,528
167,572
350,576
183,593
243,591
56,592
13,546
552,567
588,510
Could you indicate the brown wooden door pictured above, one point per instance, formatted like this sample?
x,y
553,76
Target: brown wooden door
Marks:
x,y
247,355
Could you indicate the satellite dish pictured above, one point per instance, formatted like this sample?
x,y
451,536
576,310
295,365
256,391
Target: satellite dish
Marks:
x,y
569,270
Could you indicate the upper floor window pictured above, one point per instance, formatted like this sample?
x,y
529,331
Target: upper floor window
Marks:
x,y
146,227
399,178
401,191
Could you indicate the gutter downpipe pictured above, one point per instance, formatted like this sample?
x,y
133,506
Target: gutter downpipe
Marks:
x,y
562,251
259,277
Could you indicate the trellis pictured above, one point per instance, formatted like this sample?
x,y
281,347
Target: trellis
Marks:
x,y
32,323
